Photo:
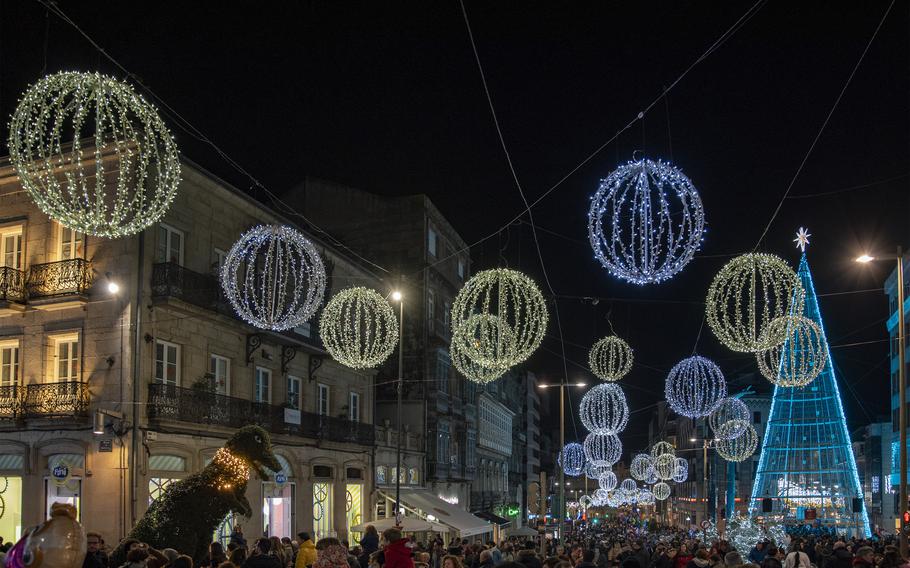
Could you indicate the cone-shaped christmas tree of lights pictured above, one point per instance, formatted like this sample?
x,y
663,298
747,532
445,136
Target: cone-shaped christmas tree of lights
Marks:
x,y
807,468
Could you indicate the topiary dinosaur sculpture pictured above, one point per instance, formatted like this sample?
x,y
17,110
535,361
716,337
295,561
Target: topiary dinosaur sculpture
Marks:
x,y
189,511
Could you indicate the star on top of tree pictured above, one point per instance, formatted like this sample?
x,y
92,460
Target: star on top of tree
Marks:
x,y
802,239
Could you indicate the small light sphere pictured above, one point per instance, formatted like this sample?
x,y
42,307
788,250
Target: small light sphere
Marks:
x,y
661,491
113,287
681,472
596,471
473,371
499,318
603,409
646,221
645,497
602,449
730,408
739,448
607,481
273,277
359,328
746,295
614,499
665,466
584,501
600,497
610,359
628,486
800,358
572,459
640,465
695,387
651,478
94,154
661,448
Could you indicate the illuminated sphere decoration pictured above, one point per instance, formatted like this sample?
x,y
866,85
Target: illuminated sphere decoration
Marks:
x,y
600,497
646,221
739,448
610,359
273,277
681,471
800,358
470,369
584,501
665,466
94,154
640,466
359,328
747,294
651,478
729,409
661,448
645,497
603,409
628,486
593,471
602,449
695,387
614,499
607,481
499,318
572,459
661,491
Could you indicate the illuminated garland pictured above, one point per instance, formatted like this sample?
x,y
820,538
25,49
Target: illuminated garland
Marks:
x,y
273,277
665,466
661,448
739,448
603,409
572,459
602,449
695,386
359,328
800,358
610,359
232,471
681,472
746,295
729,409
661,491
499,318
607,481
640,466
645,222
93,154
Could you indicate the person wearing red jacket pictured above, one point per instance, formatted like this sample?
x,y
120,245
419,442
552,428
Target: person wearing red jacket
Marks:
x,y
396,552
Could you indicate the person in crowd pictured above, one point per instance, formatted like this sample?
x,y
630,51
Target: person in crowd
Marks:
x,y
183,561
864,557
238,556
277,550
422,560
701,559
330,554
451,561
758,552
306,552
682,557
587,559
485,559
840,557
261,557
796,558
95,556
772,558
733,559
237,537
215,557
396,553
136,557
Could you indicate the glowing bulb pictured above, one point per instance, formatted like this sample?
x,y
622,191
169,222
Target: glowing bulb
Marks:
x,y
113,287
396,295
865,258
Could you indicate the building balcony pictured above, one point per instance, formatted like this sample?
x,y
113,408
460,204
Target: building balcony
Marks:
x,y
48,400
173,403
58,285
389,437
12,290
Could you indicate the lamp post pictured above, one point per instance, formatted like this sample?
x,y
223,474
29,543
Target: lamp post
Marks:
x,y
396,295
706,443
902,388
561,508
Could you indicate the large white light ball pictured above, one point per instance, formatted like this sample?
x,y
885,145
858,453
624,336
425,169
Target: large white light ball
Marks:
x,y
93,154
662,447
359,328
607,481
273,277
610,358
665,466
645,222
572,459
603,409
602,449
800,358
729,409
640,466
695,386
661,491
628,486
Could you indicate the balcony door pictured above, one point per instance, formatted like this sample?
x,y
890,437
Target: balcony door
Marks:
x,y
263,386
69,244
169,247
9,363
220,368
11,247
66,358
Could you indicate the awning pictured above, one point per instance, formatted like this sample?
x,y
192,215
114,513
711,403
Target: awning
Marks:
x,y
522,531
450,515
495,519
408,524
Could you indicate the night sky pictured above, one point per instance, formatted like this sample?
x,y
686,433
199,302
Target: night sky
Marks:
x,y
386,96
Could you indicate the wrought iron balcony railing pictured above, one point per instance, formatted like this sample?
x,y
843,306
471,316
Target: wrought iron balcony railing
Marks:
x,y
12,285
170,402
11,399
169,279
61,278
69,398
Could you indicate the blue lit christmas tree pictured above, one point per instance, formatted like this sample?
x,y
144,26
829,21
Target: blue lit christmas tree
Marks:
x,y
807,468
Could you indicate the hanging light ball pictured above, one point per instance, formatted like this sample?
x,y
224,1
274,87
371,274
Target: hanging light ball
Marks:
x,y
628,486
645,497
695,386
729,409
572,459
746,295
651,478
640,466
661,448
614,499
359,328
610,359
93,154
740,447
273,277
800,358
661,491
607,481
603,409
681,472
665,466
499,318
597,471
600,497
584,501
471,370
646,221
602,449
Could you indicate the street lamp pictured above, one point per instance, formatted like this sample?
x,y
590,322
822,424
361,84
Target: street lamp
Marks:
x,y
902,389
396,296
562,444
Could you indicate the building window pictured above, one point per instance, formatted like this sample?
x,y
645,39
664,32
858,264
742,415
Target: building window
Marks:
x,y
304,329
293,392
263,386
461,268
170,245
218,257
353,509
354,407
11,247
380,474
66,354
431,309
9,363
442,443
322,510
431,241
278,508
413,476
446,314
69,244
322,399
167,362
220,368
443,366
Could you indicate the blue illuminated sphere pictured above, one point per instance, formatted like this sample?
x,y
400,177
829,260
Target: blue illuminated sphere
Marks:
x,y
572,459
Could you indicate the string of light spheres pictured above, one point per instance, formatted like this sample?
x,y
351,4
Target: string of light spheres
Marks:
x,y
646,221
610,358
695,387
603,409
800,358
93,154
358,328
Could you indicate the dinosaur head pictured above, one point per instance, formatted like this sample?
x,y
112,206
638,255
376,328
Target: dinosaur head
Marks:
x,y
252,443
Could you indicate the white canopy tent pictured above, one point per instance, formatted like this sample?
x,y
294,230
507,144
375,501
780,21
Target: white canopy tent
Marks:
x,y
427,503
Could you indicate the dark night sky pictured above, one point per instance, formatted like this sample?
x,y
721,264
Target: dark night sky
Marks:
x,y
386,96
